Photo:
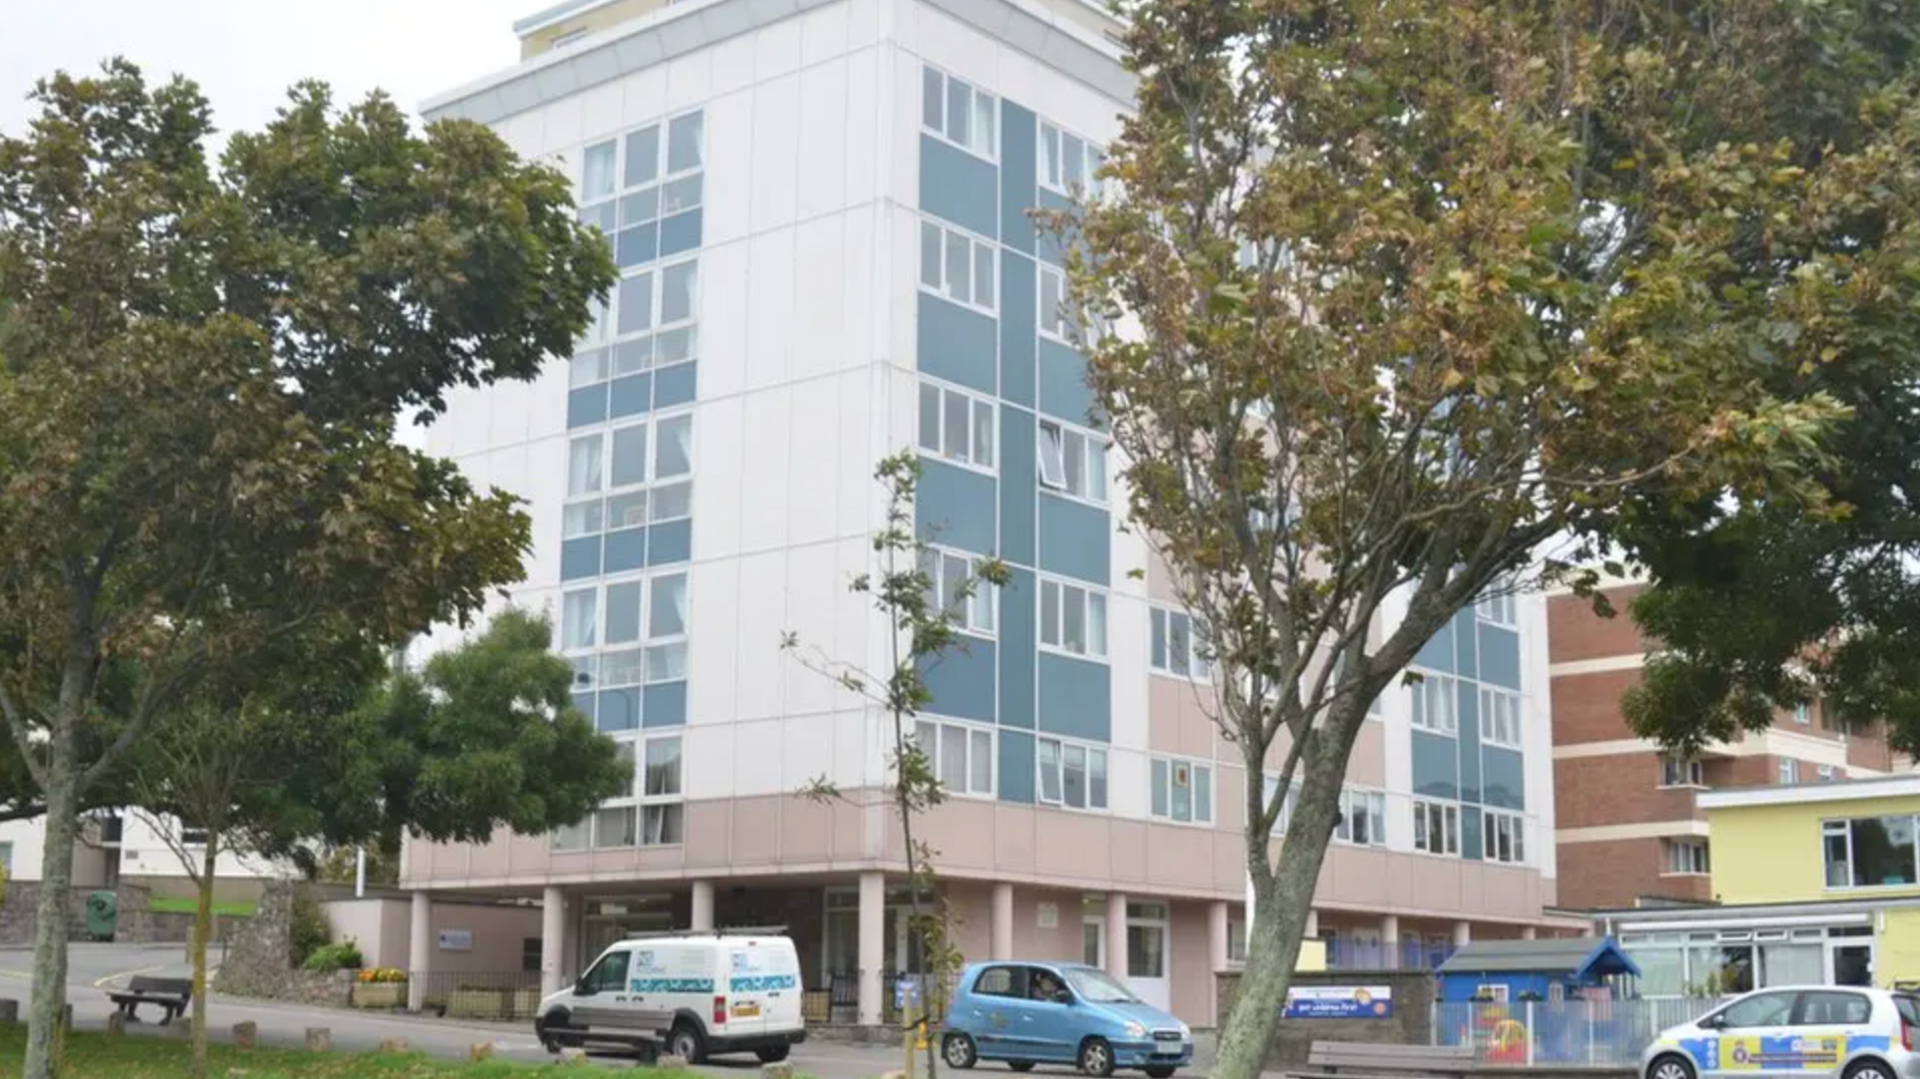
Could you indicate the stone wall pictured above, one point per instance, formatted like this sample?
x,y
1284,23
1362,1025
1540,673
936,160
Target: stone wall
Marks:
x,y
19,913
1410,1024
259,956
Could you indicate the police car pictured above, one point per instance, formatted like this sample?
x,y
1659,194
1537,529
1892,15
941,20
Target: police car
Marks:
x,y
1822,1030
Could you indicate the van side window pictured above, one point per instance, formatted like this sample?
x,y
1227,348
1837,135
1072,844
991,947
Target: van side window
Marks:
x,y
610,973
1001,982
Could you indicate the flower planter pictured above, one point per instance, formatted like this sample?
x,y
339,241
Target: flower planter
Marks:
x,y
477,1004
379,994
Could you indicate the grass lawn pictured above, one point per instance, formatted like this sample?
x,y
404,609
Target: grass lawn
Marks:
x,y
96,1056
184,904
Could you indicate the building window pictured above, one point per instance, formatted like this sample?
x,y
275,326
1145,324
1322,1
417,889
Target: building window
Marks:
x,y
1236,940
1436,827
1502,837
1072,775
956,266
1869,852
948,574
1686,857
530,954
961,756
1682,773
1182,790
1496,607
957,426
193,837
1499,717
1282,819
626,633
1073,461
1803,714
1433,703
1053,302
1073,619
651,812
644,470
1826,773
657,181
960,113
1068,163
1789,773
1363,818
1174,650
6,859
1492,993
662,804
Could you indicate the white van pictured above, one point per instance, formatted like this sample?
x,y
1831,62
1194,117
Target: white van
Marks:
x,y
694,994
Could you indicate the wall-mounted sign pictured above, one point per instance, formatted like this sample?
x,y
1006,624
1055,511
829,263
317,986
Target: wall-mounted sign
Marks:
x,y
1049,915
1339,1002
456,940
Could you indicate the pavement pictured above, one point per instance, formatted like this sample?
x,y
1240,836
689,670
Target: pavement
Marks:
x,y
93,969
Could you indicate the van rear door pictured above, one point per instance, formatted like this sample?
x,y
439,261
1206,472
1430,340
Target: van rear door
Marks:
x,y
763,986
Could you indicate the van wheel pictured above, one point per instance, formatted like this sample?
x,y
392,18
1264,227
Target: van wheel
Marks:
x,y
772,1054
686,1043
1096,1058
959,1051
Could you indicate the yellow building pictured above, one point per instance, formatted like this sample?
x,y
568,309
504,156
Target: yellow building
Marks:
x,y
1811,884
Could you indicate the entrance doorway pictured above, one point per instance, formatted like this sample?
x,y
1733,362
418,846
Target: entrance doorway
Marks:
x,y
1147,935
1850,962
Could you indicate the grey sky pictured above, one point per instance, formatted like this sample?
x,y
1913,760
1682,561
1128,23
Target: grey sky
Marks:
x,y
244,53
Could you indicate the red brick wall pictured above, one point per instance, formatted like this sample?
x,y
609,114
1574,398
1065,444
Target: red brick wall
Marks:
x,y
1586,707
1618,873
1592,792
1574,632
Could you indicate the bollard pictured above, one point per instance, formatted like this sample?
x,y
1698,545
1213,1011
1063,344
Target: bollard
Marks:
x,y
480,1051
670,1063
9,1012
319,1040
393,1045
573,1056
117,1024
779,1070
246,1035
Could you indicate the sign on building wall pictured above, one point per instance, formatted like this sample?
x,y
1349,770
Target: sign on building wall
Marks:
x,y
1049,915
456,940
1338,1002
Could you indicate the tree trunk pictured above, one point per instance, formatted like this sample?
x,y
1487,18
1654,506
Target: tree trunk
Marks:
x,y
45,1011
202,929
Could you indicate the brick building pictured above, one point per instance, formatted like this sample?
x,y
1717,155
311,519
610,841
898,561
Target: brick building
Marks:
x,y
1628,828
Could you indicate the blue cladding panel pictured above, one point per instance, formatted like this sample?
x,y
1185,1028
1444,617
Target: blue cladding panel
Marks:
x,y
1436,765
955,507
679,233
1018,150
961,680
1075,540
1076,698
1017,303
1049,245
674,385
1500,656
1470,848
958,186
619,709
1504,784
1468,703
670,541
957,343
637,245
1437,653
666,705
1016,767
632,395
1017,616
580,558
1017,485
1466,659
626,550
587,405
584,702
1063,383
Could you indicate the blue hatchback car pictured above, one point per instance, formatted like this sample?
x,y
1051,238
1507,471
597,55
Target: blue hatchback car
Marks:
x,y
1059,1013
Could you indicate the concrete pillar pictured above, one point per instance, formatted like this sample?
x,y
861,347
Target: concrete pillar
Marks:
x,y
702,920
1117,934
1217,934
1313,926
553,940
1002,922
873,945
1390,941
1529,933
1462,934
419,951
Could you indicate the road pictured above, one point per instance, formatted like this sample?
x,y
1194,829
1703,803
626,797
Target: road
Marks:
x,y
93,968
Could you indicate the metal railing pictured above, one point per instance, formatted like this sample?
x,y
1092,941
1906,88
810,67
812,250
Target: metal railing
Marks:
x,y
507,995
1572,1032
839,1001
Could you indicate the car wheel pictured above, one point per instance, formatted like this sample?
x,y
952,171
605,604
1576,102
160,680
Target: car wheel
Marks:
x,y
1160,1072
686,1043
1670,1066
1096,1058
1020,1065
772,1054
959,1052
1869,1069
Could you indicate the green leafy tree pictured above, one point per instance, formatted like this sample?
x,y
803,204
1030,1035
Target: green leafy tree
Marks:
x,y
922,628
1405,290
201,367
328,747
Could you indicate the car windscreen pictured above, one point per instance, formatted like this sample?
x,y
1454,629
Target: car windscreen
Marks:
x,y
1099,987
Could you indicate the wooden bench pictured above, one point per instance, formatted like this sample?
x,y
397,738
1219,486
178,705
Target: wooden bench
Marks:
x,y
1375,1060
171,995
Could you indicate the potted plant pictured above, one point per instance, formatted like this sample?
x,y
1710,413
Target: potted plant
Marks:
x,y
384,988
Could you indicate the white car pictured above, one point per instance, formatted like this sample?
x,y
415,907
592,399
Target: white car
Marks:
x,y
1816,1030
694,994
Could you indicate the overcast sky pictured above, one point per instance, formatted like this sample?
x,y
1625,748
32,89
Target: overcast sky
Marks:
x,y
245,53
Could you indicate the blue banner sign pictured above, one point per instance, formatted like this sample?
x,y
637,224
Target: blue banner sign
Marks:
x,y
1339,1002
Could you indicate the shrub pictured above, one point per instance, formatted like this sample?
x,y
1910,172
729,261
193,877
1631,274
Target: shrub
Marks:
x,y
308,927
330,957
